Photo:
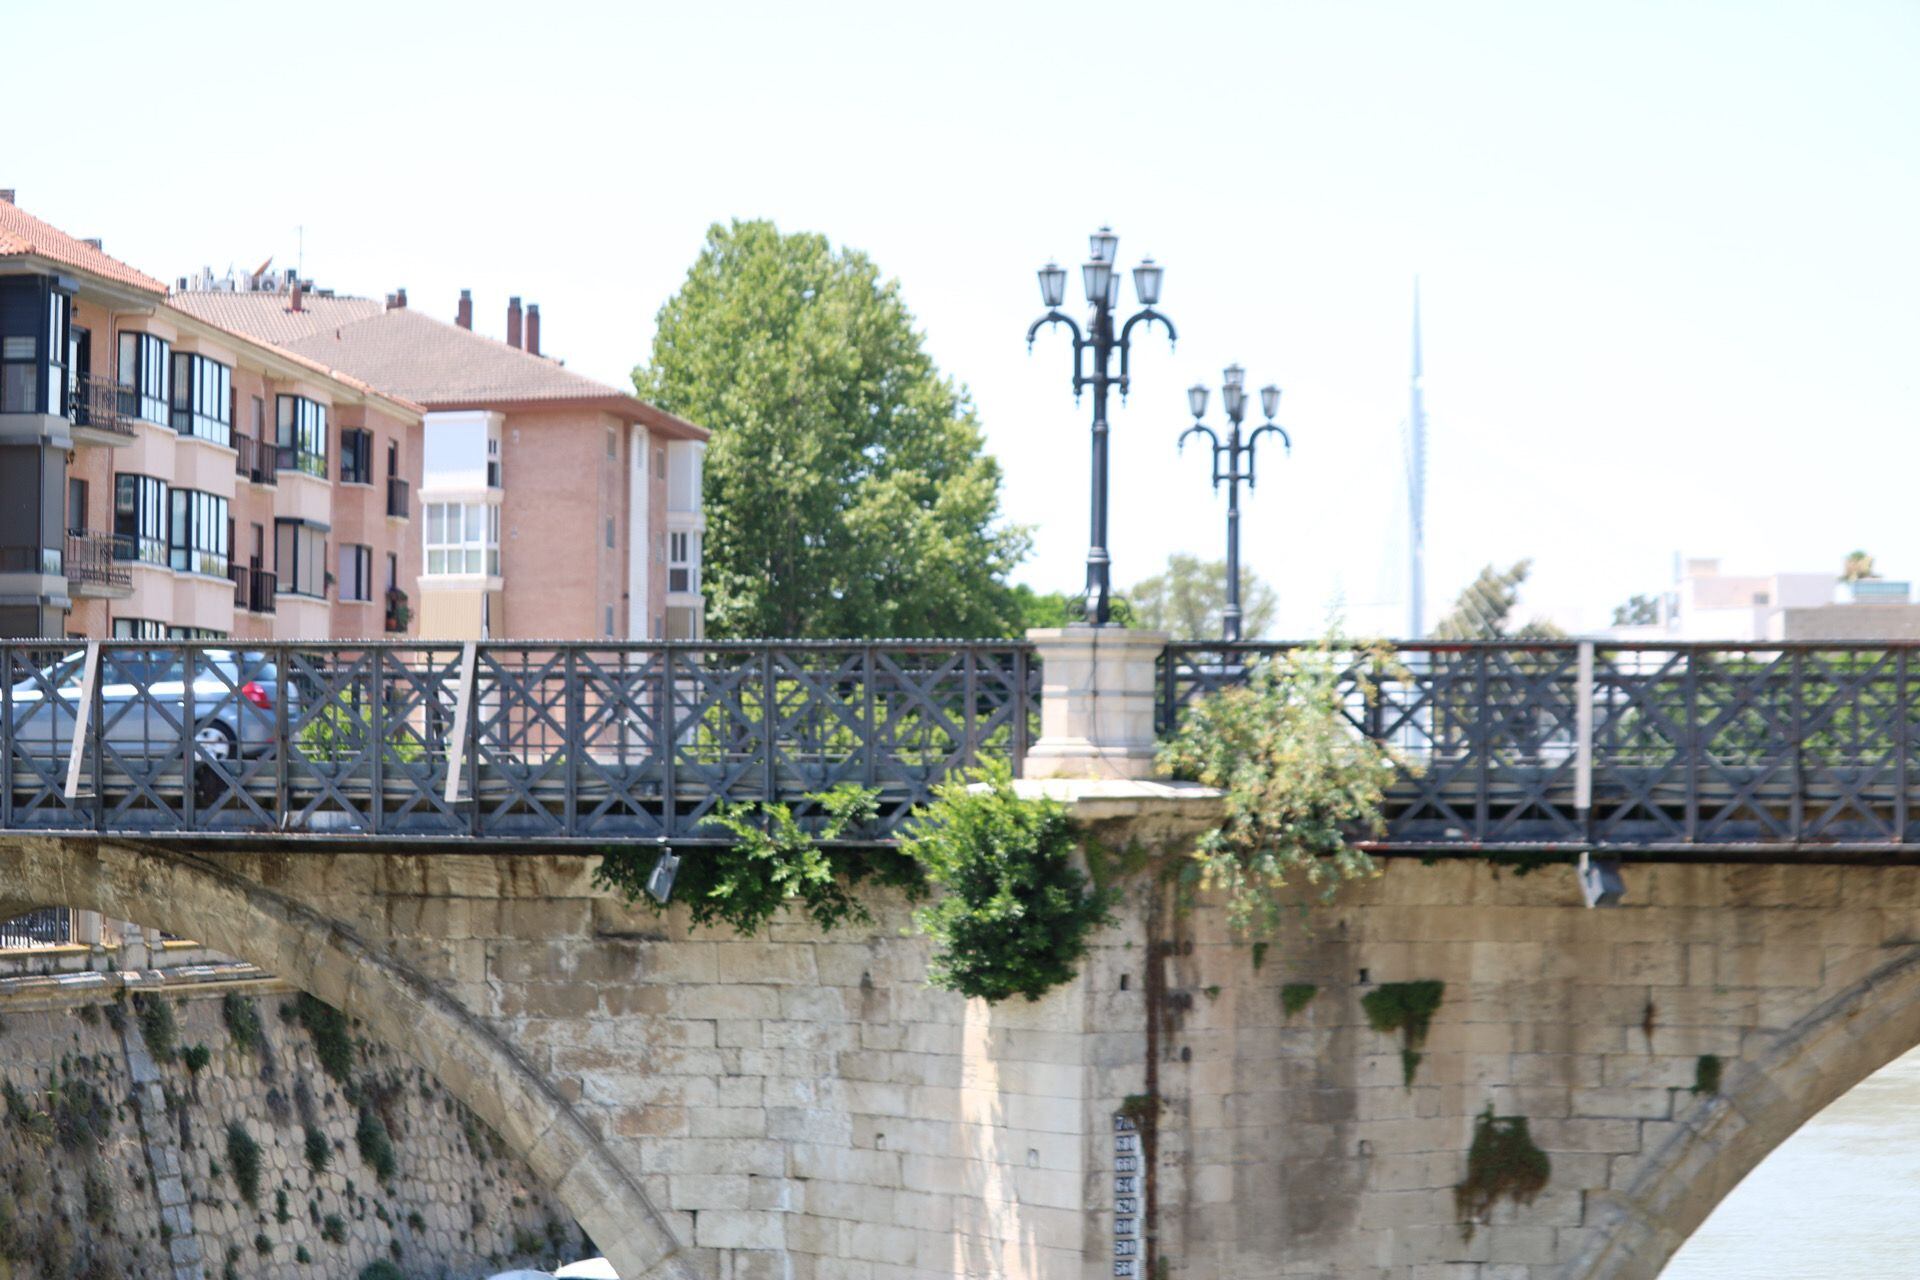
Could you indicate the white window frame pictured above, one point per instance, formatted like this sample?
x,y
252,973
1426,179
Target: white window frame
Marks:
x,y
469,531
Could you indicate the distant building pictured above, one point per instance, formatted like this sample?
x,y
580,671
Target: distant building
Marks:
x,y
163,476
554,506
1707,605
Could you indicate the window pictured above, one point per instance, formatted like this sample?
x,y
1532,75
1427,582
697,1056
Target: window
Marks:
x,y
300,558
144,369
140,518
660,464
195,633
356,456
35,329
493,463
683,571
198,533
609,530
301,435
76,505
463,537
393,571
139,629
609,448
202,398
609,620
356,572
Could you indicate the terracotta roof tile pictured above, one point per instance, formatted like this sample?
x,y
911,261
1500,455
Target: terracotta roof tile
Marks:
x,y
424,360
267,316
22,234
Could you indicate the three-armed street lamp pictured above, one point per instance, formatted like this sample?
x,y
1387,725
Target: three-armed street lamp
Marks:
x,y
1233,395
1102,283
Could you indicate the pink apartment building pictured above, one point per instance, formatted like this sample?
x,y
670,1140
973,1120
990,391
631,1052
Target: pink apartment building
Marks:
x,y
552,506
163,475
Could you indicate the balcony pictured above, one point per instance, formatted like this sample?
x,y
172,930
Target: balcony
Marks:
x,y
99,565
255,461
254,589
399,499
399,611
98,411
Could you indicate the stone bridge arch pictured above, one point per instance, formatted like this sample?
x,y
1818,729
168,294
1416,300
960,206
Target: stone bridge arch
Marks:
x,y
1764,1100
274,910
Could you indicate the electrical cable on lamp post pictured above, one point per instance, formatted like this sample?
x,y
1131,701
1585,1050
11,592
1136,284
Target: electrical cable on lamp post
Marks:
x,y
1233,397
1100,341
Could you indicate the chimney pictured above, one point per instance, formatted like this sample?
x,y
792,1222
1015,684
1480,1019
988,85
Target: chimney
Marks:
x,y
293,303
533,329
464,316
6,195
93,242
400,298
513,322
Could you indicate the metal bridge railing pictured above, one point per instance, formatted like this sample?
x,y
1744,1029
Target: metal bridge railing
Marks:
x,y
525,742
1648,746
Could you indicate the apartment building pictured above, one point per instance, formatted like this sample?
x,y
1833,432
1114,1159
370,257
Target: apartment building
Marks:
x,y
554,506
165,476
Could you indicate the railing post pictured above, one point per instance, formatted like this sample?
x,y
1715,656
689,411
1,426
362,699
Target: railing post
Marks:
x,y
6,747
282,732
189,805
1021,676
666,741
1583,743
1096,702
768,715
377,725
83,717
1901,732
462,720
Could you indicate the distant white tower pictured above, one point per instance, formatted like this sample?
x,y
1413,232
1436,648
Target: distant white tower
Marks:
x,y
1416,446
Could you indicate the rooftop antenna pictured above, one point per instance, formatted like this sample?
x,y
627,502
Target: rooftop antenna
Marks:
x,y
1416,445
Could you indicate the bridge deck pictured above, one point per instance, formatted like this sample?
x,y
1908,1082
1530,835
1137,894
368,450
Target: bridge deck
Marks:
x,y
1500,746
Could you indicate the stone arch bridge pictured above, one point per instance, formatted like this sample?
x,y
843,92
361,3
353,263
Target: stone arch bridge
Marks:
x,y
800,1105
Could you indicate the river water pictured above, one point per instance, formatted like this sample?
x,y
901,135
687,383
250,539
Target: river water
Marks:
x,y
1841,1198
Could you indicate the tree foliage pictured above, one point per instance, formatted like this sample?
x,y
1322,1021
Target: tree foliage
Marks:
x,y
1014,913
1189,599
847,492
1484,609
1300,783
1858,567
1638,611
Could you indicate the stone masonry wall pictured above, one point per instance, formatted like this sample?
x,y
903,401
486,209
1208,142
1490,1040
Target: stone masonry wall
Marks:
x,y
115,1158
805,1106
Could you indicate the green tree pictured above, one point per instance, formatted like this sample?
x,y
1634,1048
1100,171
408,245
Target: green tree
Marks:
x,y
1483,610
847,491
1042,608
1858,567
1639,611
1190,598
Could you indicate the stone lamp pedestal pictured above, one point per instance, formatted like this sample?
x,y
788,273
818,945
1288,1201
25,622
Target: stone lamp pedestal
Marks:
x,y
1096,702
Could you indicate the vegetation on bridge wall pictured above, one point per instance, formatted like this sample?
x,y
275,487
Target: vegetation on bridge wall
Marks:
x,y
85,1150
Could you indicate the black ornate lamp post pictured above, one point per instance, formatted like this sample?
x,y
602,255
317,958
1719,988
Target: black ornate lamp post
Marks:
x,y
1102,281
1233,396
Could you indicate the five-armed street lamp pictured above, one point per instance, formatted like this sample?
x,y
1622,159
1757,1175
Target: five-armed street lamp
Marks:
x,y
1102,283
1233,395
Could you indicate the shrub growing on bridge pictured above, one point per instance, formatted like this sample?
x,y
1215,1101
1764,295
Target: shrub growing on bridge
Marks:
x,y
1014,913
1300,781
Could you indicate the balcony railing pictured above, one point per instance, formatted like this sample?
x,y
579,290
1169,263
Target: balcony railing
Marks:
x,y
41,927
399,498
99,561
255,460
98,405
253,589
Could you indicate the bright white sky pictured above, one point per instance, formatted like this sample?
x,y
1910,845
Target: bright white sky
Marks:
x,y
1669,251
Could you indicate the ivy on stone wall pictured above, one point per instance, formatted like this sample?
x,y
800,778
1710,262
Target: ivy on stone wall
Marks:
x,y
773,862
1406,1007
1502,1163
